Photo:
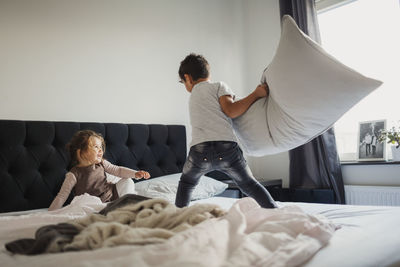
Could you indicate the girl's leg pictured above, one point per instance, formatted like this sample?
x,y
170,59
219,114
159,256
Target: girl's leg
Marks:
x,y
125,186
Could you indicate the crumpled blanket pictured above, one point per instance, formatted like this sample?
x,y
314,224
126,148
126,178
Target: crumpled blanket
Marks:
x,y
247,235
143,222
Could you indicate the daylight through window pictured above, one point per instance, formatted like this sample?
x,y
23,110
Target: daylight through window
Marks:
x,y
364,35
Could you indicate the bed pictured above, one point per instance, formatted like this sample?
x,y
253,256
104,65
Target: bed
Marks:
x,y
33,162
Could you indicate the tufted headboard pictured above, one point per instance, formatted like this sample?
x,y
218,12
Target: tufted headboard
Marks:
x,y
33,158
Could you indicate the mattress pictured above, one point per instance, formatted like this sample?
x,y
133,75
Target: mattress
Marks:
x,y
363,236
366,235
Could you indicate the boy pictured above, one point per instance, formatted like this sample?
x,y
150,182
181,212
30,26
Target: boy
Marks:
x,y
213,145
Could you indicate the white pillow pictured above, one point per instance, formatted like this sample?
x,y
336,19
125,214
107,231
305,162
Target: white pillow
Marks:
x,y
165,187
309,91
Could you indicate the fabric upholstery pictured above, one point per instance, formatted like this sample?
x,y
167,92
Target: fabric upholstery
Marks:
x,y
33,158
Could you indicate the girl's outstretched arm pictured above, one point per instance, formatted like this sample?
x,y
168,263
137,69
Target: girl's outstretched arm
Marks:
x,y
66,188
124,172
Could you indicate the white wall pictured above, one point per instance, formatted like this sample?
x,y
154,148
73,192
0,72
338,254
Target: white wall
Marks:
x,y
263,37
261,34
117,61
380,174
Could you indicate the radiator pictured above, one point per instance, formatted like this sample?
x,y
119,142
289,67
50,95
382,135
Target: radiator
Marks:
x,y
372,195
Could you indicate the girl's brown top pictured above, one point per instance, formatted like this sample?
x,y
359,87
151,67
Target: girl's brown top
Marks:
x,y
92,180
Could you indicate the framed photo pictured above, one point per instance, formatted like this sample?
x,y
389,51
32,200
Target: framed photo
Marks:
x,y
369,148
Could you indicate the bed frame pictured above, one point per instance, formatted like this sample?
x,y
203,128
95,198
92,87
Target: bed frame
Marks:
x,y
33,162
33,158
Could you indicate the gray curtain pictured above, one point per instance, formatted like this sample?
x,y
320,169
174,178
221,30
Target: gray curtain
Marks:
x,y
315,165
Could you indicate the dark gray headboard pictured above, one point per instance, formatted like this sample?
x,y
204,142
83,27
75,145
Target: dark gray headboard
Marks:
x,y
33,158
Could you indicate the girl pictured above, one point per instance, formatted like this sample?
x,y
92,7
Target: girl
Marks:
x,y
89,171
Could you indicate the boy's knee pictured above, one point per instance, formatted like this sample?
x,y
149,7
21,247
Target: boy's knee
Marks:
x,y
246,185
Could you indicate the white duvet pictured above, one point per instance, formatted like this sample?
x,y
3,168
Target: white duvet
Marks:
x,y
24,225
247,236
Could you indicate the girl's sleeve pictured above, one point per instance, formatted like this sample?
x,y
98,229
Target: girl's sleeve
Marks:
x,y
119,171
66,188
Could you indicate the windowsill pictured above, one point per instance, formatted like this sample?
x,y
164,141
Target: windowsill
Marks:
x,y
354,162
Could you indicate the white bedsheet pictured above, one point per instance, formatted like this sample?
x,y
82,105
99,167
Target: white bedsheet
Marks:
x,y
15,225
368,236
247,236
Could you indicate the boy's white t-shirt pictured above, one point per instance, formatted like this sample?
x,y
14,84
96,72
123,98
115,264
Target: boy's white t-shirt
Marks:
x,y
209,122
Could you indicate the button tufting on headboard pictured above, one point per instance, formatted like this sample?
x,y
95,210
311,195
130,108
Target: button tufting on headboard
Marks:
x,y
33,158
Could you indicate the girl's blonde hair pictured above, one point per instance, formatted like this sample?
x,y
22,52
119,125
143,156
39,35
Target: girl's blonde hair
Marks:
x,y
80,140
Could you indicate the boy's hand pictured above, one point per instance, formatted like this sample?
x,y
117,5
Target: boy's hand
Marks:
x,y
142,174
262,90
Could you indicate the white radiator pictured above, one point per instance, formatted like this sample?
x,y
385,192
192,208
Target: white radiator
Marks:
x,y
372,195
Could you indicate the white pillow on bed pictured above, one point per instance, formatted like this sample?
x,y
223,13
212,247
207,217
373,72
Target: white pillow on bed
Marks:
x,y
309,91
165,187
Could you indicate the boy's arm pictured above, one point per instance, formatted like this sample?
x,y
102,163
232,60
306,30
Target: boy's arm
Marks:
x,y
123,172
66,188
234,109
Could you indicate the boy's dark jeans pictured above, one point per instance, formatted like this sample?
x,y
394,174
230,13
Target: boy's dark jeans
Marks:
x,y
226,157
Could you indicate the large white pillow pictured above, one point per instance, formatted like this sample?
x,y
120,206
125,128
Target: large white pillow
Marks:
x,y
165,187
309,91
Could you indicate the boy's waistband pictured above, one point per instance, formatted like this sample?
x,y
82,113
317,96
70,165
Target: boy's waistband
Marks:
x,y
216,145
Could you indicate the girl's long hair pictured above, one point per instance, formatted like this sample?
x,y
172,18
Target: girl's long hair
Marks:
x,y
80,140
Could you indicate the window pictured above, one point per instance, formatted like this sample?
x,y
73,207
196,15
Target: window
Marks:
x,y
364,35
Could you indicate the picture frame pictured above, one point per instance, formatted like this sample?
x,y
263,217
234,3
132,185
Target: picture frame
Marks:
x,y
369,148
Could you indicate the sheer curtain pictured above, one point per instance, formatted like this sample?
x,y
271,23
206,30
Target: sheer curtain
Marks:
x,y
314,165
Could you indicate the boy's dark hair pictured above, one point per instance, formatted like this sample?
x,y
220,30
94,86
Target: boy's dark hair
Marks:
x,y
195,66
80,140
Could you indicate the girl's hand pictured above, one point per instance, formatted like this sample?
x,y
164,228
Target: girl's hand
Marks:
x,y
142,174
